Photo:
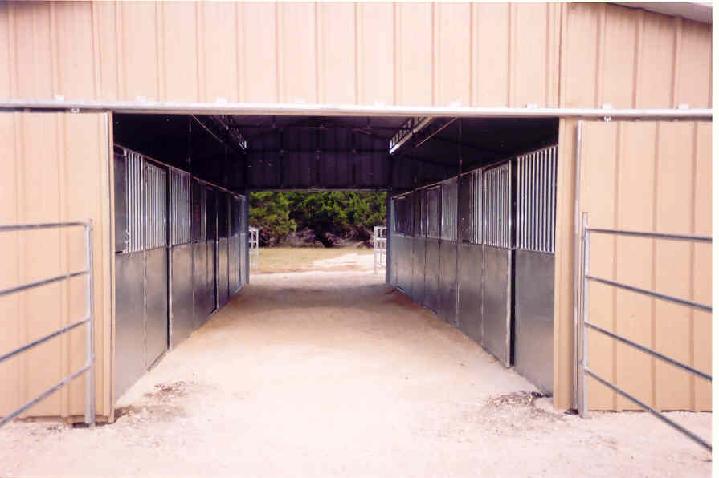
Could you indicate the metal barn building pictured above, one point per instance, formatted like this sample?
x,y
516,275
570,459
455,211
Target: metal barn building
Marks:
x,y
512,138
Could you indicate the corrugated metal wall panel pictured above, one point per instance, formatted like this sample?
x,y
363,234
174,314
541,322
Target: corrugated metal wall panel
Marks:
x,y
633,58
453,66
648,176
297,37
404,54
55,167
178,51
337,60
218,50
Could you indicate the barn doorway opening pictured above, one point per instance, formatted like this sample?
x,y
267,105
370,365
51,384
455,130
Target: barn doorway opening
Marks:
x,y
469,210
316,230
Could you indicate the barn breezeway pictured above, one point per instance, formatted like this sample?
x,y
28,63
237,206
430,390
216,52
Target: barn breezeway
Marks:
x,y
334,373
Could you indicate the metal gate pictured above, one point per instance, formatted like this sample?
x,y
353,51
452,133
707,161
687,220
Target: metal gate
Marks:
x,y
86,321
534,267
587,324
498,257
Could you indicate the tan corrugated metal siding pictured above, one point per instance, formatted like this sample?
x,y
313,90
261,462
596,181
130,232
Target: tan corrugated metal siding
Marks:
x,y
643,176
394,54
628,58
54,167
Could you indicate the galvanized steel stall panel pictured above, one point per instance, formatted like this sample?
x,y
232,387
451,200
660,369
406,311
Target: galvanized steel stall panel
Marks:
x,y
212,253
449,210
497,210
469,276
534,318
447,281
470,268
180,253
182,321
534,268
536,200
122,235
156,283
430,297
223,285
418,269
233,246
155,304
201,284
129,362
497,303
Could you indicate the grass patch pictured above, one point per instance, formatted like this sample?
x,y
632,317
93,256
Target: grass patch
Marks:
x,y
289,259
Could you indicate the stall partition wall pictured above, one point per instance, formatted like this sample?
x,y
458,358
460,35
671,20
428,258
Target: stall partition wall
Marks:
x,y
472,249
178,259
141,267
54,167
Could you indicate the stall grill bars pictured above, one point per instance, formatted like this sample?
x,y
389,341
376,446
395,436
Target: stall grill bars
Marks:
x,y
584,324
379,241
89,367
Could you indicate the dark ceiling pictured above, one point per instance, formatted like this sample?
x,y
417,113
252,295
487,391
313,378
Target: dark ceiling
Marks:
x,y
327,152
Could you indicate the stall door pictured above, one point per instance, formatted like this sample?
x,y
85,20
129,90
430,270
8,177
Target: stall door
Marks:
x,y
211,223
471,255
156,283
141,309
181,259
498,256
534,267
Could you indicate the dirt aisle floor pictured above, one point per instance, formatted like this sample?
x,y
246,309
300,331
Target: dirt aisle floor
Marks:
x,y
332,373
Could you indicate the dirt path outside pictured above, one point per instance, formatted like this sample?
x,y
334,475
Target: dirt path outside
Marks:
x,y
332,373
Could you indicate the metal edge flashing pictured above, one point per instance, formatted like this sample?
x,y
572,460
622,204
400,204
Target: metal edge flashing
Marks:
x,y
167,107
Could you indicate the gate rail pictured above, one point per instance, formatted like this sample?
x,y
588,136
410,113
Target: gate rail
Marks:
x,y
584,324
88,321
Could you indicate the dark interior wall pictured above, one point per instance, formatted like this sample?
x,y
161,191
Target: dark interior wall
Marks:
x,y
194,145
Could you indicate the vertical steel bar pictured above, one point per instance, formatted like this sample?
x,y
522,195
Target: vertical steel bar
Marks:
x,y
582,405
531,212
521,226
544,201
90,331
535,199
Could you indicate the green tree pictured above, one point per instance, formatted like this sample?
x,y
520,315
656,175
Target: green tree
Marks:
x,y
328,214
270,212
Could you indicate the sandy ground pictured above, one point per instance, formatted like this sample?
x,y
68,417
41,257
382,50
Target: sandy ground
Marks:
x,y
333,374
282,259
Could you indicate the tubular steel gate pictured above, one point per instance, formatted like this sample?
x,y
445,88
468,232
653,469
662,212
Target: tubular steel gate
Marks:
x,y
87,321
584,324
379,241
